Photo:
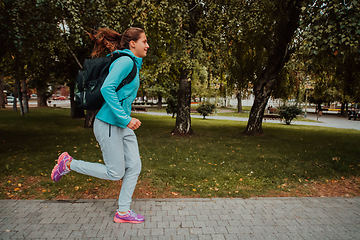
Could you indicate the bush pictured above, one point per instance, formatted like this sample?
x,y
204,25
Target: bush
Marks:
x,y
289,113
205,109
171,107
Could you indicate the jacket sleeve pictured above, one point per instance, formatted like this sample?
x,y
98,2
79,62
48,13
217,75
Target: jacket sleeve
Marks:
x,y
118,70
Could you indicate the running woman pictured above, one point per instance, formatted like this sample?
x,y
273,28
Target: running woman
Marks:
x,y
113,126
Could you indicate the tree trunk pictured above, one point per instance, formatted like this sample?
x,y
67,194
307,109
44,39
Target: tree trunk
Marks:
x,y
159,104
21,106
42,96
25,99
16,94
278,55
254,125
2,95
318,107
75,111
239,106
183,119
89,118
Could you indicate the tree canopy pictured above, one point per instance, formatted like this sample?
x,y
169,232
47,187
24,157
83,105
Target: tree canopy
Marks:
x,y
195,46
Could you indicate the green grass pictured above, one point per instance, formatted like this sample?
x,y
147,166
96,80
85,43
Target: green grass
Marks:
x,y
218,160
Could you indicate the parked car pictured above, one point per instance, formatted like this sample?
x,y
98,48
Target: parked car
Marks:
x,y
10,99
61,98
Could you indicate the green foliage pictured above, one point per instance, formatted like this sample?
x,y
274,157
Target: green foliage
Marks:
x,y
289,113
330,46
206,109
331,27
30,32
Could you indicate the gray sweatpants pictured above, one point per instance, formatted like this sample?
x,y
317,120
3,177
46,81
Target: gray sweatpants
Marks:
x,y
121,157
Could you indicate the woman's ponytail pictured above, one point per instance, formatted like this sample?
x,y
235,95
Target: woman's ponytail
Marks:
x,y
107,39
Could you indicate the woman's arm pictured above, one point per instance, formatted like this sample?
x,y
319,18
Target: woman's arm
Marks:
x,y
119,69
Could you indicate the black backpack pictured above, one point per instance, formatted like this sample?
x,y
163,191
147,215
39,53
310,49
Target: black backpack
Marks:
x,y
91,77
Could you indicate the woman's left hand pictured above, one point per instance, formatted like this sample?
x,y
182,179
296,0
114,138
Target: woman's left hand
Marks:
x,y
134,124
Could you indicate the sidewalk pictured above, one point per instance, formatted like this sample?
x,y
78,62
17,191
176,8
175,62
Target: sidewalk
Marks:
x,y
254,218
326,120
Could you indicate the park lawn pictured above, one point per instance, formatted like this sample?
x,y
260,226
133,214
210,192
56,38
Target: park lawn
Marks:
x,y
217,161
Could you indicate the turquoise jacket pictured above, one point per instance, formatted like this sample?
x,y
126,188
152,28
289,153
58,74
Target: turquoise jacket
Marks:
x,y
117,107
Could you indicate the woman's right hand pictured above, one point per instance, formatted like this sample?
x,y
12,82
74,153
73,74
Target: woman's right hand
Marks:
x,y
134,124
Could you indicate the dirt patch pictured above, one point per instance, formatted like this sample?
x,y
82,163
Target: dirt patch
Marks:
x,y
332,188
143,190
32,188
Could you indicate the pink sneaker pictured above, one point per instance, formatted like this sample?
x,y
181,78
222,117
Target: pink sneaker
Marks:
x,y
130,217
61,169
62,156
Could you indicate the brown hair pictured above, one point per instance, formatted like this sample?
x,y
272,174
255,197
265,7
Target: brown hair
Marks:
x,y
107,39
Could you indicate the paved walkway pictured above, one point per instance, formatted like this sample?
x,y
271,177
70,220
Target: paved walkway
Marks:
x,y
326,120
254,218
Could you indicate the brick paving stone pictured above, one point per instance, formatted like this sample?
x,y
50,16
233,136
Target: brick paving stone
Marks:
x,y
211,223
199,224
76,234
163,224
156,218
222,223
90,233
157,232
202,217
187,224
232,236
74,227
192,237
131,232
144,232
243,229
115,233
221,230
168,218
233,229
219,218
217,236
180,218
191,218
176,224
34,235
196,231
182,231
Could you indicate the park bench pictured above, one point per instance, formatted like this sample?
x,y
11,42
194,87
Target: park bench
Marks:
x,y
353,114
272,117
138,109
272,110
193,110
331,110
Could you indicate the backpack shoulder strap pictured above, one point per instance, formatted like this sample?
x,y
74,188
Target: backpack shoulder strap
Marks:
x,y
129,78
